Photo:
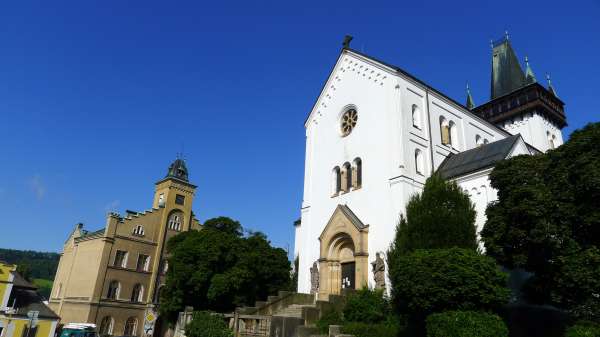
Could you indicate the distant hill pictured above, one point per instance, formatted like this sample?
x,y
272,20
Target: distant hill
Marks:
x,y
38,267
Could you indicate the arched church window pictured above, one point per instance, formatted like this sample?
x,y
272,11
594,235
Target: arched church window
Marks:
x,y
357,173
478,140
137,294
485,141
346,177
445,131
416,116
419,161
348,122
336,181
175,222
114,288
106,326
453,132
130,327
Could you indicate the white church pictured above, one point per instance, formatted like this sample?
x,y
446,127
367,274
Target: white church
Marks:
x,y
376,133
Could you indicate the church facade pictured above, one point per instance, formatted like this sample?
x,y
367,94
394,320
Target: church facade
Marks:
x,y
376,133
112,277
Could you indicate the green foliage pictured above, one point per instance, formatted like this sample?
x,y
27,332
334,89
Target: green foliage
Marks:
x,y
584,329
465,324
437,280
332,317
207,324
215,269
34,264
44,287
362,329
367,306
224,224
442,216
547,220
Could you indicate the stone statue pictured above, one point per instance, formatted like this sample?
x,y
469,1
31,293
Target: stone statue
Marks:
x,y
379,272
314,278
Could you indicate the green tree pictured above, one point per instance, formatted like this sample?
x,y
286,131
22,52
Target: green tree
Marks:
x,y
465,324
218,269
442,216
207,324
547,218
436,280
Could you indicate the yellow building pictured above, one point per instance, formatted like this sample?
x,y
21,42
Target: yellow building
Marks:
x,y
22,311
112,277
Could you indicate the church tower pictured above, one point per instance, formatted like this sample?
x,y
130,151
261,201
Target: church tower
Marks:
x,y
519,104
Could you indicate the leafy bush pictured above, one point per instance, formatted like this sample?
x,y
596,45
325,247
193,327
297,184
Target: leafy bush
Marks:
x,y
362,329
332,317
207,324
438,280
465,324
365,305
584,329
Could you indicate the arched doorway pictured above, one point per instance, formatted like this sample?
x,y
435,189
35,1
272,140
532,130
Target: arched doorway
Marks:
x,y
344,252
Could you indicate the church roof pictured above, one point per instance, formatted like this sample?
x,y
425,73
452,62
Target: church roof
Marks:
x,y
476,159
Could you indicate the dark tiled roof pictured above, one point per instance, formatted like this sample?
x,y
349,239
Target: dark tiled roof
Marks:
x,y
476,159
29,300
20,282
355,220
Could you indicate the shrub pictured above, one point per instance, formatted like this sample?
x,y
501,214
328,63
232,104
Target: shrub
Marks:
x,y
332,317
365,305
584,329
465,324
207,324
362,329
439,280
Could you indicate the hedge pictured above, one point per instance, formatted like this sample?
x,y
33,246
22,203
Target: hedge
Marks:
x,y
207,324
584,329
465,324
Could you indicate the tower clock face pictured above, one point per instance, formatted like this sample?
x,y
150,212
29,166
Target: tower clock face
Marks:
x,y
348,122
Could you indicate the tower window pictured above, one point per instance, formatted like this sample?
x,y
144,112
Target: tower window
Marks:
x,y
138,230
161,200
175,222
179,199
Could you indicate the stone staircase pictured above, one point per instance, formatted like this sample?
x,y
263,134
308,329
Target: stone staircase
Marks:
x,y
293,314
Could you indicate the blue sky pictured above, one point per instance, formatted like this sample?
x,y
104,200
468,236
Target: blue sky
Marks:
x,y
97,97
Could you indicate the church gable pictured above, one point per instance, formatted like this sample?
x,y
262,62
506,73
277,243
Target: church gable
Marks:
x,y
350,67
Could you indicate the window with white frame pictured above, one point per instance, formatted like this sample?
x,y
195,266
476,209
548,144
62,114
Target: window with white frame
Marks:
x,y
138,230
143,263
114,288
336,181
175,222
120,259
137,293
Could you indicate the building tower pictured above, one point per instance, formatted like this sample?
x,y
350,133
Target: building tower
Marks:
x,y
519,104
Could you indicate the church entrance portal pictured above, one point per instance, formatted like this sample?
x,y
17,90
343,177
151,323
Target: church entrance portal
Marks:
x,y
343,253
348,275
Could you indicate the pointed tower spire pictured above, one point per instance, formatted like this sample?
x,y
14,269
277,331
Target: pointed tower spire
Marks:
x,y
550,87
470,103
507,74
529,76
